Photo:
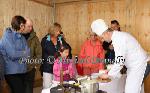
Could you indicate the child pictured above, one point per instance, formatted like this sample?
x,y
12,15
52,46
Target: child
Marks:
x,y
63,63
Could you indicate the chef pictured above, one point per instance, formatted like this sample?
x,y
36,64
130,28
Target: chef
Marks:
x,y
128,52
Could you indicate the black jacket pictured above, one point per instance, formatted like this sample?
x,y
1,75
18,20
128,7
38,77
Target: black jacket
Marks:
x,y
49,51
110,54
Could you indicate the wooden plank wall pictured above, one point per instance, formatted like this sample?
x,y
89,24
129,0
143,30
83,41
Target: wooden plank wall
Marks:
x,y
133,16
40,14
76,17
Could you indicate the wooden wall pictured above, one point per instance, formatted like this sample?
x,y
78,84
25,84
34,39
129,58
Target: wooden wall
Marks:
x,y
133,16
76,17
41,14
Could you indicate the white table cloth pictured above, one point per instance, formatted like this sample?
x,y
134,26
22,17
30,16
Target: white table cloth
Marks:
x,y
115,86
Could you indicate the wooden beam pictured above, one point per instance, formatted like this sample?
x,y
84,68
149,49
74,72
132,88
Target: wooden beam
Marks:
x,y
64,1
76,1
68,1
44,2
72,1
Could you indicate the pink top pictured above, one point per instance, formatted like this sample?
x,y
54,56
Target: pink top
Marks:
x,y
67,65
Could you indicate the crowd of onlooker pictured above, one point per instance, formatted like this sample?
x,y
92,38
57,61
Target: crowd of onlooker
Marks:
x,y
20,43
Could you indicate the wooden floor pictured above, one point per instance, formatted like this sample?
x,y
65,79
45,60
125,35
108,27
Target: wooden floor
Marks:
x,y
37,90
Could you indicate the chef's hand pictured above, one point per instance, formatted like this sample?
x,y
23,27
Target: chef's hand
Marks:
x,y
106,71
104,76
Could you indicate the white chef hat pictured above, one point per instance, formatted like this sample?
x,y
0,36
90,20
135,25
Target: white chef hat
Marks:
x,y
99,26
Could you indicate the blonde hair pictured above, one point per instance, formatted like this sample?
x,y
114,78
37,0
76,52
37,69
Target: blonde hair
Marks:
x,y
51,31
89,34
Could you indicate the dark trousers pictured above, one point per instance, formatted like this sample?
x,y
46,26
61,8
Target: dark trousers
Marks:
x,y
16,82
29,81
147,71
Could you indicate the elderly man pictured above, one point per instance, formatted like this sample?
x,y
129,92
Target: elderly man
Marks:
x,y
128,52
35,54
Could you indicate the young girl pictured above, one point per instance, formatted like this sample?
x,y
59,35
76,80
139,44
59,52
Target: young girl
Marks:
x,y
62,63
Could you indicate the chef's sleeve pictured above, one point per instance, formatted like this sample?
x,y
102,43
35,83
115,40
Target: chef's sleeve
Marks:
x,y
119,60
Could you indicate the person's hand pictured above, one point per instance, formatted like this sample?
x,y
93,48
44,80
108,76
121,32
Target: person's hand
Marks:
x,y
103,71
106,71
111,47
66,72
104,76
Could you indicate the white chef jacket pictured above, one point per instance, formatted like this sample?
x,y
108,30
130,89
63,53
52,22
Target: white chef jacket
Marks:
x,y
127,46
136,58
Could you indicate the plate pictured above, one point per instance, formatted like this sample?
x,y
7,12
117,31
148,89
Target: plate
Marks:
x,y
103,80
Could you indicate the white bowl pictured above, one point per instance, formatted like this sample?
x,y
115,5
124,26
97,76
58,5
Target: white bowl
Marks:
x,y
102,72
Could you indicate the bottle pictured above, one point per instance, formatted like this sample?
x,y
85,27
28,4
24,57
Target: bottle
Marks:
x,y
76,59
61,76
